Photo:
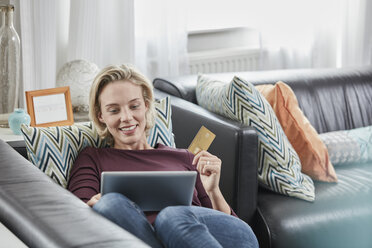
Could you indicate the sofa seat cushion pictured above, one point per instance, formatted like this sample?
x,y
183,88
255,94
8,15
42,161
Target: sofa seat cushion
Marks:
x,y
341,215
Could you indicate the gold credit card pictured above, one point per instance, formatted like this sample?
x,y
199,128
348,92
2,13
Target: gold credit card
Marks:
x,y
202,140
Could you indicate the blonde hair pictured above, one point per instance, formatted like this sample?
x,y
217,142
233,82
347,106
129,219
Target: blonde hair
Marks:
x,y
112,74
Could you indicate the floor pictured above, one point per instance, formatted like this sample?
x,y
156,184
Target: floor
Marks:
x,y
8,239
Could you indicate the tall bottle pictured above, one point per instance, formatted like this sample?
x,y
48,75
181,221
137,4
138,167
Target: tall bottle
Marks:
x,y
9,61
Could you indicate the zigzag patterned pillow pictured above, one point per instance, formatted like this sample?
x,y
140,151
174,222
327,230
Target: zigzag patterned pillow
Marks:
x,y
162,130
54,149
279,166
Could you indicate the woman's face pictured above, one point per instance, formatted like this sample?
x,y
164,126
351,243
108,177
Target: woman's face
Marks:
x,y
123,111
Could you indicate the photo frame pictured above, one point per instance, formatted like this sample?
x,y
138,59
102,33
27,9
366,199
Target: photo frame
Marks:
x,y
50,107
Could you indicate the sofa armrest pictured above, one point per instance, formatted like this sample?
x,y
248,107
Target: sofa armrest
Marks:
x,y
43,214
235,144
20,147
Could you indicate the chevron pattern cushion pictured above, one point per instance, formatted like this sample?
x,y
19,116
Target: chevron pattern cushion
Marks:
x,y
162,131
54,149
279,166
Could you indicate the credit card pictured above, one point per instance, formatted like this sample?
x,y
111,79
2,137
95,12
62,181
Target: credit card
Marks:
x,y
201,141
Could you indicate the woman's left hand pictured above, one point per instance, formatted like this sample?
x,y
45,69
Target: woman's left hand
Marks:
x,y
209,167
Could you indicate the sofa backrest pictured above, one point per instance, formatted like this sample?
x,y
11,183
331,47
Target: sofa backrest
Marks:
x,y
332,99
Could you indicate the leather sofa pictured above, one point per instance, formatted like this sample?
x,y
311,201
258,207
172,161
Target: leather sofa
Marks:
x,y
332,99
43,214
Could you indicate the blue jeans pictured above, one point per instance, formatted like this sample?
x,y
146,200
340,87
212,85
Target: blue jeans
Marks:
x,y
178,226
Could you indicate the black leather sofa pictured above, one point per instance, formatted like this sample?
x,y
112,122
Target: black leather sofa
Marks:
x,y
43,214
332,99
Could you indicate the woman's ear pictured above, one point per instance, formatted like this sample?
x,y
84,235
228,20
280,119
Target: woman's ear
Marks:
x,y
99,115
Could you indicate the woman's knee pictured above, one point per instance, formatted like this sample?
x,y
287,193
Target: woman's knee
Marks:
x,y
171,217
110,201
249,235
216,222
165,215
242,233
174,212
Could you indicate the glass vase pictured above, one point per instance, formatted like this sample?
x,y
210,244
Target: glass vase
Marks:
x,y
16,119
9,61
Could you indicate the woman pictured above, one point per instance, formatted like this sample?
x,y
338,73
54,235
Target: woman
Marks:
x,y
122,108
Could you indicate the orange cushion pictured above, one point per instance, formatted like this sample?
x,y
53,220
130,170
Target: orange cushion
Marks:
x,y
300,133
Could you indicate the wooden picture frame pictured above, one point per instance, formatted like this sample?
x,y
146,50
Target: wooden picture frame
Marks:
x,y
50,107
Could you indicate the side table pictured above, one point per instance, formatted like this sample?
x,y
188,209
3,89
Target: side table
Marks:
x,y
15,141
7,135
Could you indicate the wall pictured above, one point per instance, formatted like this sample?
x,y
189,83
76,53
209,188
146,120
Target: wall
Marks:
x,y
223,38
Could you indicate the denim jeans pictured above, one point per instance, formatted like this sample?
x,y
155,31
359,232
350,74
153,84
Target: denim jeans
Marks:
x,y
178,226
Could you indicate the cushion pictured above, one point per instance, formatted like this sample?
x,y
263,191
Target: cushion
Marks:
x,y
279,167
162,130
349,146
301,134
54,149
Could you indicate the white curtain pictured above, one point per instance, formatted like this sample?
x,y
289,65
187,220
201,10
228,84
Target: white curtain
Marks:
x,y
101,31
356,48
152,35
148,34
38,43
161,37
314,34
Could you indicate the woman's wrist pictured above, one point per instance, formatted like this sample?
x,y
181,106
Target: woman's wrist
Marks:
x,y
214,193
218,201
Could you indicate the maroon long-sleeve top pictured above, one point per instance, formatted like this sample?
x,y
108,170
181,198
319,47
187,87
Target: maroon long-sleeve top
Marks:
x,y
86,172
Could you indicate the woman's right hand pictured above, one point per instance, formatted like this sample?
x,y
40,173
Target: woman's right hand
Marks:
x,y
94,200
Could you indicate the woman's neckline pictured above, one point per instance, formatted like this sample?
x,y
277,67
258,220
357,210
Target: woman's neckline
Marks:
x,y
156,147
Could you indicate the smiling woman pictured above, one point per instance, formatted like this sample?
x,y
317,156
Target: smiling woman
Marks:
x,y
121,106
123,111
118,94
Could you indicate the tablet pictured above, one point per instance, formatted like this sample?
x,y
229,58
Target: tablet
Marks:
x,y
151,190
